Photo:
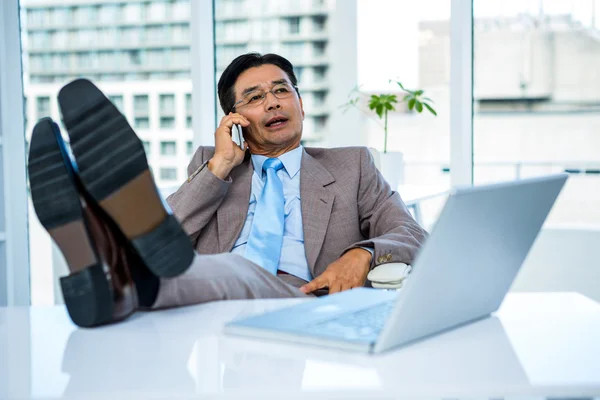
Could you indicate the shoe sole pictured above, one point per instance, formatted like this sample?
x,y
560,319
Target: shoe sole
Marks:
x,y
86,291
114,170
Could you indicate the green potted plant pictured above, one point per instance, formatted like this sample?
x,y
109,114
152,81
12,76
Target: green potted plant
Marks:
x,y
381,105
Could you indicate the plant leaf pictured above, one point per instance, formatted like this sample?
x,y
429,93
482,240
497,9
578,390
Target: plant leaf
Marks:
x,y
418,92
379,110
411,104
373,102
430,109
419,106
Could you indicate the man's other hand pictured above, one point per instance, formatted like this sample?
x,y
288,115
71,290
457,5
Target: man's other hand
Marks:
x,y
347,272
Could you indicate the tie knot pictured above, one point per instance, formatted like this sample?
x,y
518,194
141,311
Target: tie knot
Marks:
x,y
274,163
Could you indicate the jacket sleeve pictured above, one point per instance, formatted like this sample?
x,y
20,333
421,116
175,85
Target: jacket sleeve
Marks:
x,y
197,200
391,230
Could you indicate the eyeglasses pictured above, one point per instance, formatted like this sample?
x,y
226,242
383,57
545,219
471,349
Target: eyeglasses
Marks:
x,y
257,97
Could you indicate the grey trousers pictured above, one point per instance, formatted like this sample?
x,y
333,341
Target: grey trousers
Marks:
x,y
225,276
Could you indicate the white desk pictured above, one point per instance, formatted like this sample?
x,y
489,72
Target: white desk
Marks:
x,y
539,345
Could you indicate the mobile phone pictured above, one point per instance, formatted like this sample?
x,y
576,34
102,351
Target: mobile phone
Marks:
x,y
237,136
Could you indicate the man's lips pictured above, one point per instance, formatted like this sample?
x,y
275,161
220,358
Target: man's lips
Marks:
x,y
275,120
277,124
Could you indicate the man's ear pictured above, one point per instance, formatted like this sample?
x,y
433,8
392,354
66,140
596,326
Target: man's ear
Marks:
x,y
301,106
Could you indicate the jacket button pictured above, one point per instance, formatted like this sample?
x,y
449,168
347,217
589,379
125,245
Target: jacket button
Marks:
x,y
380,260
388,257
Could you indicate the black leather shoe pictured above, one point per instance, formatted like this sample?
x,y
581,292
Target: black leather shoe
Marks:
x,y
108,280
114,171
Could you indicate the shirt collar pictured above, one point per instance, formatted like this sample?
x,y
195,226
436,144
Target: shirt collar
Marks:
x,y
291,161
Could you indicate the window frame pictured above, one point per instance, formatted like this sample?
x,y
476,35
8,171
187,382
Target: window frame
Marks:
x,y
14,268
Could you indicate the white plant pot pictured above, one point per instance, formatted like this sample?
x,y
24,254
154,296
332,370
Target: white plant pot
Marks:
x,y
392,168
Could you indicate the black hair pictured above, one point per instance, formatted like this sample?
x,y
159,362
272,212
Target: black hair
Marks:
x,y
241,64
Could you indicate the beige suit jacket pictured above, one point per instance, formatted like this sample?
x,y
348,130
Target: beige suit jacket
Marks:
x,y
345,203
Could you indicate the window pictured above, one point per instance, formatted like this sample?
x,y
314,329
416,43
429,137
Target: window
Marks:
x,y
180,58
167,104
294,51
167,111
180,9
132,12
536,101
134,57
34,17
319,23
121,46
108,13
319,98
40,39
141,123
319,48
59,39
168,174
140,104
299,71
226,53
155,59
117,101
146,147
84,61
319,73
188,110
168,148
180,33
167,122
320,123
156,11
189,148
294,25
154,34
43,107
131,35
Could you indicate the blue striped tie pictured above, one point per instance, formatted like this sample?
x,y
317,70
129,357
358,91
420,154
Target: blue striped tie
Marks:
x,y
266,234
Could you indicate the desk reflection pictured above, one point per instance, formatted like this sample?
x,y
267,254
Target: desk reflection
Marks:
x,y
174,352
480,354
151,353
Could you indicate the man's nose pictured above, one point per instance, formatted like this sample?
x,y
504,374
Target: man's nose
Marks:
x,y
271,102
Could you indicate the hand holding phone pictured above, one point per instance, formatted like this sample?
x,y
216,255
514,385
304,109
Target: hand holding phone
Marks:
x,y
237,136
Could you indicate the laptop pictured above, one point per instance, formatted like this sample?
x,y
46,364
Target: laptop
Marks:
x,y
461,275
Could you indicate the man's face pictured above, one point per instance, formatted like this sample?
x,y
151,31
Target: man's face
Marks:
x,y
276,123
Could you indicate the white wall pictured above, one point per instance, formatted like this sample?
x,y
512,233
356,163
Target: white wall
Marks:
x,y
563,259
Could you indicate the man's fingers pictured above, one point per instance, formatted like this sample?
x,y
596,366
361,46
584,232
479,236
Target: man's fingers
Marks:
x,y
235,118
346,286
335,288
313,285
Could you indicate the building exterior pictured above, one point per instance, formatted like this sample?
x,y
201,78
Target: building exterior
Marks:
x,y
138,52
299,30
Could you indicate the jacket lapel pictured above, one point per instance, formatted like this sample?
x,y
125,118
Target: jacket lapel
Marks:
x,y
316,203
231,215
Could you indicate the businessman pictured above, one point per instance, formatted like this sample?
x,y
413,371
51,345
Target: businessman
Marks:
x,y
328,218
308,220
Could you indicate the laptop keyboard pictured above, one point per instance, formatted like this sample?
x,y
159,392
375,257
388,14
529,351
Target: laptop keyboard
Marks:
x,y
362,325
